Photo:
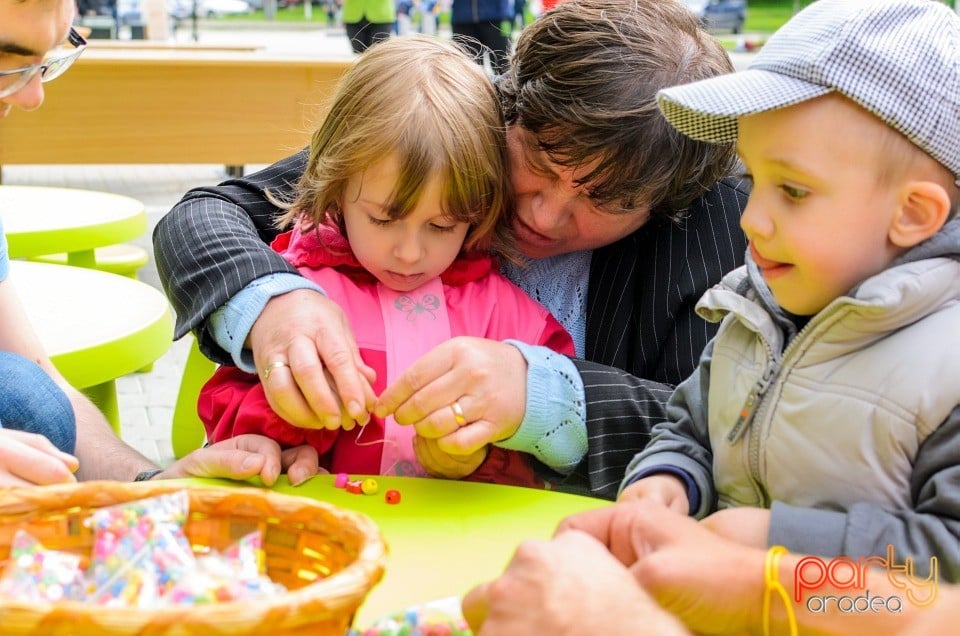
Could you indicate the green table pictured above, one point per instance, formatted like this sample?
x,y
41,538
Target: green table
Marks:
x,y
41,220
95,326
444,536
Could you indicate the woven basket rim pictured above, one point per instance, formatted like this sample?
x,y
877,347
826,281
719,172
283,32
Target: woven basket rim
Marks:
x,y
334,589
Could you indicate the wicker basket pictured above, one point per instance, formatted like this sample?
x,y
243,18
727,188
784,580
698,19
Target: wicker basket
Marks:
x,y
328,559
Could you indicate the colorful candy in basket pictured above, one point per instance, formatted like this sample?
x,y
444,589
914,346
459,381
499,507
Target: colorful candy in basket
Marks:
x,y
141,558
441,617
40,575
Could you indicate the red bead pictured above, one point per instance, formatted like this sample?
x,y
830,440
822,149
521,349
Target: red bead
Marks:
x,y
392,496
354,487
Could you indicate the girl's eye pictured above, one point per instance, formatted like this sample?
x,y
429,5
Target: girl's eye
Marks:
x,y
443,228
380,222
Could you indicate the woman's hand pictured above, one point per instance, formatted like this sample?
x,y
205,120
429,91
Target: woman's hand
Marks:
x,y
485,378
316,377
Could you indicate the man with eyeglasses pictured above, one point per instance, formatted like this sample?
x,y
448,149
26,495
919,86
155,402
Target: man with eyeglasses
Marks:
x,y
48,429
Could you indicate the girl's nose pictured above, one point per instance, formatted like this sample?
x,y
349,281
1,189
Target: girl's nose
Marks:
x,y
409,249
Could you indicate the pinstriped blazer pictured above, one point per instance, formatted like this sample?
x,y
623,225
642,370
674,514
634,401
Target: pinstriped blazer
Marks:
x,y
643,336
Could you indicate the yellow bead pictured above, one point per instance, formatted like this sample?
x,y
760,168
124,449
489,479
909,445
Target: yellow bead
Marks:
x,y
369,486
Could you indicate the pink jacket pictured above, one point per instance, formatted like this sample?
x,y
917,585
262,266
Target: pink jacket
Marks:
x,y
478,302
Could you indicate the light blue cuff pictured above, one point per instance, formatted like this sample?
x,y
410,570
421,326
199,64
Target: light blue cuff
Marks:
x,y
554,428
230,324
4,257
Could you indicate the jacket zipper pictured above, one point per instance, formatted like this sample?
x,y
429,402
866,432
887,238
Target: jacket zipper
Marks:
x,y
752,405
754,398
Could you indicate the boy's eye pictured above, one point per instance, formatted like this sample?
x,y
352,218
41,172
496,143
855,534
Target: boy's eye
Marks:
x,y
792,192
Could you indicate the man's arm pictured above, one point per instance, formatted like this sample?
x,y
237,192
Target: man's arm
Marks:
x,y
214,242
621,410
212,245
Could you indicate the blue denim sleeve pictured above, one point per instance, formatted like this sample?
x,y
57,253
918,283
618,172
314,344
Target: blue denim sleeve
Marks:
x,y
554,428
230,324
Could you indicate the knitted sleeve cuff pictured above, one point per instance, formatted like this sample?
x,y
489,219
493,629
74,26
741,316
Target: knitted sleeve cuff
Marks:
x,y
554,426
230,324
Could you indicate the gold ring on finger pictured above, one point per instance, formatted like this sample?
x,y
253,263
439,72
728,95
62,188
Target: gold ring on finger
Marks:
x,y
458,413
273,366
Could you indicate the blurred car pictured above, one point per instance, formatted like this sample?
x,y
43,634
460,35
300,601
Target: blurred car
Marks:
x,y
129,11
720,14
218,8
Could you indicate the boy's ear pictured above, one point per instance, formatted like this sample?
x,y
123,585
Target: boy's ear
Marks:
x,y
924,209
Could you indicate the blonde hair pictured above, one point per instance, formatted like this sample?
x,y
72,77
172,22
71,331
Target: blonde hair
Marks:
x,y
424,101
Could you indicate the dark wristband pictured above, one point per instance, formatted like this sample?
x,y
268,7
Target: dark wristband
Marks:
x,y
147,475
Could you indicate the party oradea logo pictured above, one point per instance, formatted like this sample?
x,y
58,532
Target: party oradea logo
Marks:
x,y
845,580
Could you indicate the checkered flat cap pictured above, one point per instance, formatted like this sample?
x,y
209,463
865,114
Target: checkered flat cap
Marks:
x,y
898,59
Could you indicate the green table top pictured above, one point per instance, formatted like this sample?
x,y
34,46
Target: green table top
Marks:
x,y
94,326
41,220
444,536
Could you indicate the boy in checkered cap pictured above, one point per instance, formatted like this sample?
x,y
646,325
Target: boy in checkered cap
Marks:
x,y
824,415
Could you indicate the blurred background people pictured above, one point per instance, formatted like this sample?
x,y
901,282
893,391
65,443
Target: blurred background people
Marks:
x,y
477,24
368,21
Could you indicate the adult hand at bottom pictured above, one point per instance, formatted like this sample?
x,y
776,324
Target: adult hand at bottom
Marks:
x,y
485,378
27,459
247,456
713,585
565,587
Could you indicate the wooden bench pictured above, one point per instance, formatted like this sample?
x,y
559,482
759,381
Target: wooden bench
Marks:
x,y
172,105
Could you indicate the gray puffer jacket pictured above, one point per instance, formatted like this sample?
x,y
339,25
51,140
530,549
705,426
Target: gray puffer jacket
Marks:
x,y
848,430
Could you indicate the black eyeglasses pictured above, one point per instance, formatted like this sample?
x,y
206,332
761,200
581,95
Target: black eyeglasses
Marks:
x,y
53,67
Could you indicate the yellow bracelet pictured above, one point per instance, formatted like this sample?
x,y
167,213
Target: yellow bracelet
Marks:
x,y
771,578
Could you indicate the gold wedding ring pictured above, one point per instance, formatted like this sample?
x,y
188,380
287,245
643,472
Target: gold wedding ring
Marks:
x,y
270,368
458,413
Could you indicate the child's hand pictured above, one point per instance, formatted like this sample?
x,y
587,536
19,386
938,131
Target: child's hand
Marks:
x,y
663,488
441,464
747,526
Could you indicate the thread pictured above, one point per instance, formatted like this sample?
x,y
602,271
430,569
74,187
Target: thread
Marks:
x,y
374,442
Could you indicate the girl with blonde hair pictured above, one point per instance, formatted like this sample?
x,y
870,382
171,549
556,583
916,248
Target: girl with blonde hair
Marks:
x,y
400,218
